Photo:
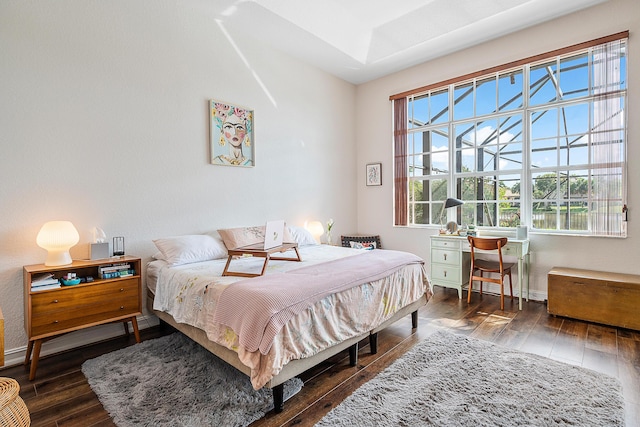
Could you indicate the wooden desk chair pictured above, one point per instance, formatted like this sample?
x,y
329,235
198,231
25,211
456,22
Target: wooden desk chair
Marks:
x,y
487,266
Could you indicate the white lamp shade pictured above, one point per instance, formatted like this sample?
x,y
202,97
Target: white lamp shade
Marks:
x,y
57,237
315,228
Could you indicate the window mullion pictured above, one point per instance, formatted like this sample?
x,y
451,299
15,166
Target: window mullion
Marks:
x,y
526,216
451,186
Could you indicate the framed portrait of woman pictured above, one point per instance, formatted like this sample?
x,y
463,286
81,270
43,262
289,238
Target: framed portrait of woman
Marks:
x,y
232,134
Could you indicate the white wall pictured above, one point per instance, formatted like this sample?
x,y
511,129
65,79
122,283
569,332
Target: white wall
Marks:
x,y
104,122
375,211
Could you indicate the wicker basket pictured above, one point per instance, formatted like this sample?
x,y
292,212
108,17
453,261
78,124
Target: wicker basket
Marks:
x,y
13,411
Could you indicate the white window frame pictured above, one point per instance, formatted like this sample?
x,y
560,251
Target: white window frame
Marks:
x,y
526,195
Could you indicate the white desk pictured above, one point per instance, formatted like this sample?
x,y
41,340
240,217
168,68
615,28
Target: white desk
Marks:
x,y
450,261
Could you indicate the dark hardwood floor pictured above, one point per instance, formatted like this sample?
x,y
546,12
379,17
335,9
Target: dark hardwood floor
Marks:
x,y
60,395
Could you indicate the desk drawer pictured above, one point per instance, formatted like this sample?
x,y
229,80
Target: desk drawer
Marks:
x,y
509,250
446,273
444,256
446,243
512,250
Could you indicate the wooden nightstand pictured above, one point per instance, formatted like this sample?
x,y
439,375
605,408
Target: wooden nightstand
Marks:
x,y
51,312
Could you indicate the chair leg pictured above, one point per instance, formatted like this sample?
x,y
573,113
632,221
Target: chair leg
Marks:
x,y
469,292
481,275
502,293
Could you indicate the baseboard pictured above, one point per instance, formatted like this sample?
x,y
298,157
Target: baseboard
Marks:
x,y
15,356
492,289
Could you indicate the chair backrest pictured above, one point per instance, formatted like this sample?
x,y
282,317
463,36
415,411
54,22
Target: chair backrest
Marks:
x,y
487,243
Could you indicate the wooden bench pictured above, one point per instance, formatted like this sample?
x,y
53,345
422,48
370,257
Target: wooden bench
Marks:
x,y
596,296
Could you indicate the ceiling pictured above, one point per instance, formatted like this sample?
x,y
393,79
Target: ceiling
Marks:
x,y
361,40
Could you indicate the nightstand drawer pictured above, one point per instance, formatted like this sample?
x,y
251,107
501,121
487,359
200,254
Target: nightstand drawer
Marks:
x,y
82,296
444,256
66,308
56,321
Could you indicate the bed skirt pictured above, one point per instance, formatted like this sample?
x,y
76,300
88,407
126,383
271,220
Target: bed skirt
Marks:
x,y
294,367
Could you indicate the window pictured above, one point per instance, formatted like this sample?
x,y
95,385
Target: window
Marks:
x,y
541,142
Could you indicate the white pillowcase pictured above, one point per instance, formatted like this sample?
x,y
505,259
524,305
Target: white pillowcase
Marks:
x,y
368,246
190,248
302,236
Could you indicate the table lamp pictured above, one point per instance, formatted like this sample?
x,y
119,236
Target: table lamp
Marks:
x,y
449,203
57,237
315,228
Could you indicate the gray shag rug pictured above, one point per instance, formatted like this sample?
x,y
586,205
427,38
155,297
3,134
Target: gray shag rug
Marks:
x,y
452,380
172,381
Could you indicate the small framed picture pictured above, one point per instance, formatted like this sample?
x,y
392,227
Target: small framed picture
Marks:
x,y
374,174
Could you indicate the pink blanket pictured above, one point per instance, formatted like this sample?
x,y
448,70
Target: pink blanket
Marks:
x,y
256,309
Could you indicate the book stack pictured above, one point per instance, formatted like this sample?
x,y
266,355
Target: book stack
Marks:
x,y
113,271
43,282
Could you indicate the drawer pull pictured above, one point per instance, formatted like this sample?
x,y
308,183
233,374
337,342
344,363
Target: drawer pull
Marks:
x,y
121,289
55,321
445,273
122,307
445,257
55,301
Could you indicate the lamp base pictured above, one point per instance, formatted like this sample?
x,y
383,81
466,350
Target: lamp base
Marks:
x,y
55,258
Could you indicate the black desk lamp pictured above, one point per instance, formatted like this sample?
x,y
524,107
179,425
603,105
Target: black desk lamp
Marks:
x,y
449,203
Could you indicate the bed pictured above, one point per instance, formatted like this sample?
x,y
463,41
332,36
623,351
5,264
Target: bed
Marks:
x,y
189,293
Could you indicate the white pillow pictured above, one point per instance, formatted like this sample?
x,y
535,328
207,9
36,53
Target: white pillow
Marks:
x,y
190,248
368,246
302,236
